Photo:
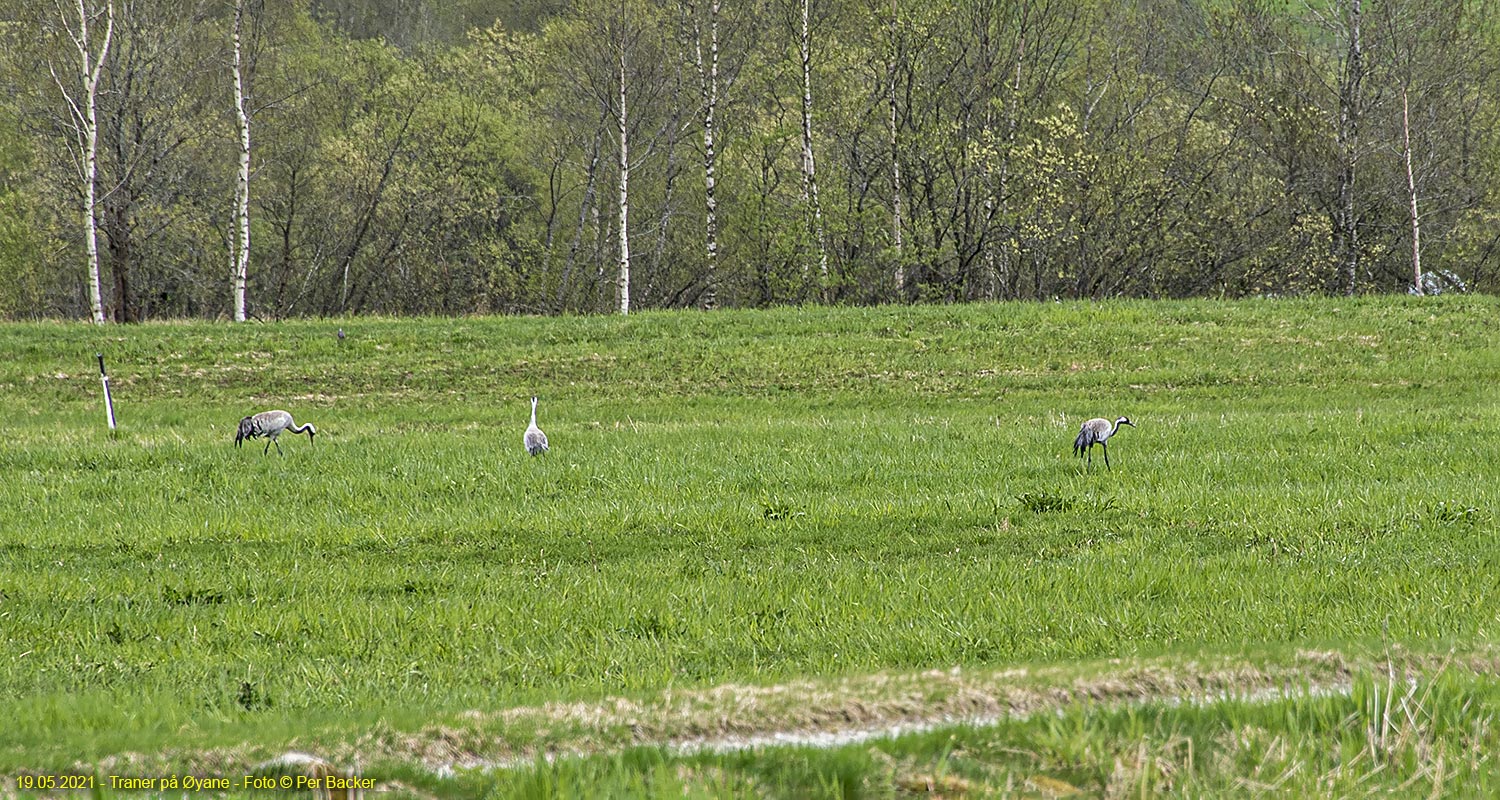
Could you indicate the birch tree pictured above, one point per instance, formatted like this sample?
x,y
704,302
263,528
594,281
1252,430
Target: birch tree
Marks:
x,y
708,81
622,113
82,101
1431,50
809,164
240,251
609,58
1411,189
716,47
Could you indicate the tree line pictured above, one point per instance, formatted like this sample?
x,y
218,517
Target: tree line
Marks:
x,y
264,159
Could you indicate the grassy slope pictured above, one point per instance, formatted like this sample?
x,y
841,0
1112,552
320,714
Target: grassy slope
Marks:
x,y
737,496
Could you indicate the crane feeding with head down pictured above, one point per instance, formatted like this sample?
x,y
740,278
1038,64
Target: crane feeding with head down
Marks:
x,y
1097,431
270,424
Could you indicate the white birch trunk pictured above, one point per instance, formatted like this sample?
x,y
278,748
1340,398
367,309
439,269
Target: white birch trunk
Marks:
x,y
86,121
1411,189
708,78
624,194
90,225
896,242
241,249
809,167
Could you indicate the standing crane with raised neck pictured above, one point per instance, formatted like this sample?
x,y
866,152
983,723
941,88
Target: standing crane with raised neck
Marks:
x,y
1097,431
535,440
270,424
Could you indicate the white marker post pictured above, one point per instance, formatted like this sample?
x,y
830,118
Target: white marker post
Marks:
x,y
109,404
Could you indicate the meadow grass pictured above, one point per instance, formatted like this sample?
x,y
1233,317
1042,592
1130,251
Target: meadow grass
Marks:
x,y
1433,738
731,497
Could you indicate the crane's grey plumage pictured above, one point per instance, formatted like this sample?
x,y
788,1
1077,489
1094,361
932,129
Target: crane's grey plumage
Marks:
x,y
535,440
1097,431
270,424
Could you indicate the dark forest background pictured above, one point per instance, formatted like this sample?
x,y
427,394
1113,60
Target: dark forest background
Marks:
x,y
465,156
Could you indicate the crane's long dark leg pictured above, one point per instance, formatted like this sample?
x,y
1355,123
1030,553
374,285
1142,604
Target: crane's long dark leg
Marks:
x,y
268,447
1105,445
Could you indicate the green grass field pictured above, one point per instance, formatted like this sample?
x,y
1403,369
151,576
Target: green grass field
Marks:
x,y
736,497
1426,742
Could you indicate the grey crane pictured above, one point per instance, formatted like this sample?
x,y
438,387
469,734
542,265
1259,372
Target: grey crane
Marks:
x,y
1097,431
535,440
270,424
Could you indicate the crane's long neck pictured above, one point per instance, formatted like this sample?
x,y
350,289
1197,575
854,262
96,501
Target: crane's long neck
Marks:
x,y
533,412
306,428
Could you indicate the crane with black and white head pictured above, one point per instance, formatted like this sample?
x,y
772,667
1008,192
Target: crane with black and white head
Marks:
x,y
535,440
1097,431
270,424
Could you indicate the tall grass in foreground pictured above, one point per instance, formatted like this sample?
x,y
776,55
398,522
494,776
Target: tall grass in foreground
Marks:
x,y
746,496
1434,738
